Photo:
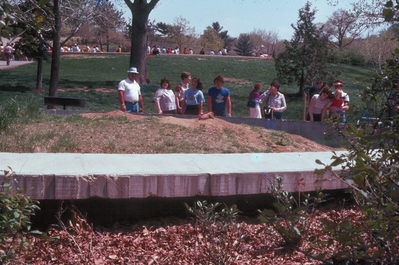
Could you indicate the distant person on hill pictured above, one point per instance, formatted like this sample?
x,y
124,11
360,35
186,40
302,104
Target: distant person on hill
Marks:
x,y
165,100
129,92
275,101
119,49
155,50
8,51
253,102
318,103
202,51
219,101
194,98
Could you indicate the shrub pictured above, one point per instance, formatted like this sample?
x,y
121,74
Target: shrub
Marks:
x,y
216,232
346,57
16,210
16,110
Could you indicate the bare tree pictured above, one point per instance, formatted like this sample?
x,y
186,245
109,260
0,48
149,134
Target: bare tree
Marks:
x,y
264,41
344,27
181,33
107,19
140,10
377,48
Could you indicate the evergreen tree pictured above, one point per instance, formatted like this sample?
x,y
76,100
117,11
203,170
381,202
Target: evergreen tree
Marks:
x,y
305,58
244,46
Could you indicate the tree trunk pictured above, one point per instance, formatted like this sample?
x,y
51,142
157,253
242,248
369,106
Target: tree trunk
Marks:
x,y
39,74
107,38
301,84
139,44
140,12
55,58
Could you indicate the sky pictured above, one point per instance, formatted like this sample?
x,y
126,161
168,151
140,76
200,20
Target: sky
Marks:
x,y
240,16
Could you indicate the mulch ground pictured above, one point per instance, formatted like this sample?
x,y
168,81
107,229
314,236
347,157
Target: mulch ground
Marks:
x,y
188,243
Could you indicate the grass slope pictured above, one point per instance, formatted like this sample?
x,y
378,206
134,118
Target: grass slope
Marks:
x,y
94,72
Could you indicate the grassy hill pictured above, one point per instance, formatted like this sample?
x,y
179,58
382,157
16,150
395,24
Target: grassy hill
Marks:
x,y
90,72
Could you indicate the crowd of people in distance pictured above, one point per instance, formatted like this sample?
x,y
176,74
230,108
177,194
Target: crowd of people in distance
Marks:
x,y
156,50
187,98
77,48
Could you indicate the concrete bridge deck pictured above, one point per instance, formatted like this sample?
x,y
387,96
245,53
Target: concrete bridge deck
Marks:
x,y
64,176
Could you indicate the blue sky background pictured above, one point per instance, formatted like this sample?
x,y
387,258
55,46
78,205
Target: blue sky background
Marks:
x,y
240,16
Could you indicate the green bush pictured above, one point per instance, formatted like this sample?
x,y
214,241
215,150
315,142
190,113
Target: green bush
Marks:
x,y
16,210
347,57
16,110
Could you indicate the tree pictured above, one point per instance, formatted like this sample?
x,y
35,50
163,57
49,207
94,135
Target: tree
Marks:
x,y
344,27
305,57
379,48
244,46
211,40
107,19
180,32
228,41
264,41
33,31
140,10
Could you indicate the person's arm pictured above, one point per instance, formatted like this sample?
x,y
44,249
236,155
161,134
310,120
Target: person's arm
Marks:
x,y
283,105
178,107
311,105
141,103
324,111
263,96
228,103
209,104
157,98
201,108
121,97
345,107
158,107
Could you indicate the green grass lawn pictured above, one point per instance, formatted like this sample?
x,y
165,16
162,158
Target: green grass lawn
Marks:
x,y
107,72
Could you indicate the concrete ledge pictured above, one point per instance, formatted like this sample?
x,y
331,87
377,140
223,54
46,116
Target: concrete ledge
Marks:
x,y
63,176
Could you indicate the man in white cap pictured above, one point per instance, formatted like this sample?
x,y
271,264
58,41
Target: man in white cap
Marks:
x,y
129,92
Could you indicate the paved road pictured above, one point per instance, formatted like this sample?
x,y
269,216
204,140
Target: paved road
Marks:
x,y
3,64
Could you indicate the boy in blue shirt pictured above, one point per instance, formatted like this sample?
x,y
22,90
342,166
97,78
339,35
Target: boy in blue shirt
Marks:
x,y
219,101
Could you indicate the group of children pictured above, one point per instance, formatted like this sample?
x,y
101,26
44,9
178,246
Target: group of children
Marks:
x,y
189,99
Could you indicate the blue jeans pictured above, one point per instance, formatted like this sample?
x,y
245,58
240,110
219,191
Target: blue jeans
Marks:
x,y
277,115
132,107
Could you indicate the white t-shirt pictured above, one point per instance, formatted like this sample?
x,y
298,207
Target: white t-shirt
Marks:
x,y
319,103
185,87
166,98
131,90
